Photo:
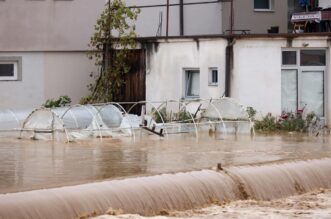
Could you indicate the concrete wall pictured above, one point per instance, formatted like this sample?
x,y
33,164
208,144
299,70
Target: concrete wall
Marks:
x,y
46,75
166,61
47,25
245,17
62,25
255,78
52,38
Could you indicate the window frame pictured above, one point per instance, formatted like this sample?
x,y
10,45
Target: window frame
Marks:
x,y
270,9
210,76
301,68
185,72
17,62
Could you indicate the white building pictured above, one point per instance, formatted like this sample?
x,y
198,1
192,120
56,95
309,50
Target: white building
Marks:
x,y
44,43
43,55
270,73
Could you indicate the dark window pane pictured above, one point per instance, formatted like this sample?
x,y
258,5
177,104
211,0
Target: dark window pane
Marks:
x,y
6,70
214,76
289,58
261,4
312,58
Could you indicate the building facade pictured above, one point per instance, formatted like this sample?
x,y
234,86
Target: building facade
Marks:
x,y
256,16
44,43
272,74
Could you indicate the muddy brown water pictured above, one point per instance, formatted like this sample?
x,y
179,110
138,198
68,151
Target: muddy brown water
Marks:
x,y
29,165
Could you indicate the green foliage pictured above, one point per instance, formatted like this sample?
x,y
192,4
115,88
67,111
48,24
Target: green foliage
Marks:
x,y
159,115
267,124
289,122
110,44
184,116
312,119
61,101
251,112
294,123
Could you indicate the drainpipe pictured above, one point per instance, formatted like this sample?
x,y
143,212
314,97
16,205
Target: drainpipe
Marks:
x,y
231,17
228,66
181,17
167,27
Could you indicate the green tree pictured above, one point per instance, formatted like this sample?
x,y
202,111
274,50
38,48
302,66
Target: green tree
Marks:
x,y
110,44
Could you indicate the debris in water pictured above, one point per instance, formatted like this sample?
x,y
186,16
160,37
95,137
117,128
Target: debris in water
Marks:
x,y
115,212
219,167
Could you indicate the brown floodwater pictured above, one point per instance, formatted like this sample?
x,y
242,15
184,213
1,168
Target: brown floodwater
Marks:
x,y
28,165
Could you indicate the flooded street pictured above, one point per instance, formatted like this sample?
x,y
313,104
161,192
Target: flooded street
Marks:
x,y
29,165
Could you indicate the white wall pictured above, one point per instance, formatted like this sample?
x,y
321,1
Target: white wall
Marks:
x,y
256,76
67,73
44,76
165,76
30,90
324,3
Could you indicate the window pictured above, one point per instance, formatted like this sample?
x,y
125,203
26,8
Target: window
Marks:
x,y
312,58
289,57
263,5
192,83
302,80
10,68
213,77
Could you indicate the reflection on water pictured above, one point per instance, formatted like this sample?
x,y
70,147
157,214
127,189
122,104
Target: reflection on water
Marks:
x,y
26,165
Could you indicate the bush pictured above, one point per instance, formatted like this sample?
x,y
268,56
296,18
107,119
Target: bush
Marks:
x,y
289,122
60,102
293,123
267,124
184,117
251,112
159,115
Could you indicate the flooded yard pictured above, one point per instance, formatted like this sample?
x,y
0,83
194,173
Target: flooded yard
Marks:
x,y
29,165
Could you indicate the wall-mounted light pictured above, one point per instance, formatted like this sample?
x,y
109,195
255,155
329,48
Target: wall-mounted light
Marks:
x,y
305,44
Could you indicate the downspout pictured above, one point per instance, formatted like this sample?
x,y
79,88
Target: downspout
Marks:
x,y
167,26
181,17
229,65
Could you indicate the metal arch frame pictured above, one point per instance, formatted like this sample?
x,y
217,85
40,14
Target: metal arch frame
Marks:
x,y
74,117
88,110
117,105
13,114
156,108
243,109
182,106
53,117
217,111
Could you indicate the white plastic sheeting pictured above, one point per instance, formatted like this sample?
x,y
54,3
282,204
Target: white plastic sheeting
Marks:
x,y
43,124
79,121
225,109
112,120
12,119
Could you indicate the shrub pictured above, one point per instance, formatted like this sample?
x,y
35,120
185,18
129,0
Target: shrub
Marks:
x,y
267,124
60,102
289,122
293,123
159,115
184,117
251,112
